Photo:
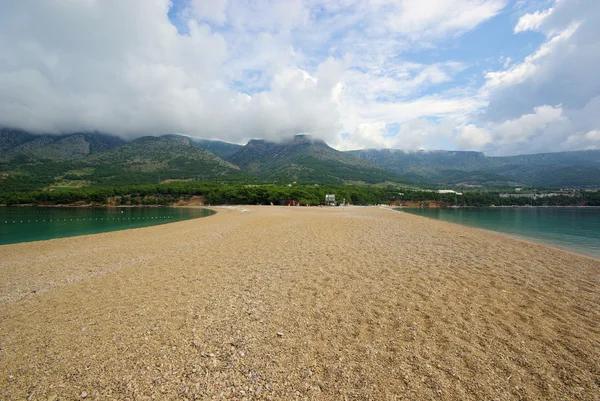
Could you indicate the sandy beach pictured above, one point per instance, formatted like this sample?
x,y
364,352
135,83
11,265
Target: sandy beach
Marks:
x,y
298,303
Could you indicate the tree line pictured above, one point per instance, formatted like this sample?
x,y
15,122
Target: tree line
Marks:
x,y
215,193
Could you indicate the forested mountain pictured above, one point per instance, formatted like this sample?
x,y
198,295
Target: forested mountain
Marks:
x,y
150,158
54,147
68,161
30,161
9,139
562,169
306,159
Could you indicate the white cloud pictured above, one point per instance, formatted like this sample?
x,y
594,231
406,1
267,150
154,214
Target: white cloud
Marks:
x,y
268,15
547,129
593,135
242,69
209,10
268,69
561,71
398,83
417,134
531,66
588,140
522,128
533,21
367,135
427,106
509,136
471,137
63,71
428,19
411,135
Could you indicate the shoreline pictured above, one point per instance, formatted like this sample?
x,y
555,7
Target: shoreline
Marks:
x,y
521,238
497,206
526,238
535,240
298,303
52,230
548,244
102,205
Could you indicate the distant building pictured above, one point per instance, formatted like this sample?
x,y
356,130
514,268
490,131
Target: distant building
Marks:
x,y
517,195
330,199
551,194
448,191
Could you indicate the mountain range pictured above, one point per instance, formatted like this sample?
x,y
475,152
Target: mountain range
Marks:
x,y
461,168
32,161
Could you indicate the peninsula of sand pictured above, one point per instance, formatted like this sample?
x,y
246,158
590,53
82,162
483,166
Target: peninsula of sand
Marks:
x,y
298,303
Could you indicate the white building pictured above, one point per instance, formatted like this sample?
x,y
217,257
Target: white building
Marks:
x,y
448,191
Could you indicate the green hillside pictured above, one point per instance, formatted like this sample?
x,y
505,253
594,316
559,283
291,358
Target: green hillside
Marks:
x,y
29,161
55,147
150,159
11,138
34,162
306,160
562,169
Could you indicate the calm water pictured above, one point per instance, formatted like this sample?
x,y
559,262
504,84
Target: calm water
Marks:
x,y
574,229
24,224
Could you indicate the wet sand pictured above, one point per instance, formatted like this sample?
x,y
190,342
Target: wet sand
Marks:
x,y
298,303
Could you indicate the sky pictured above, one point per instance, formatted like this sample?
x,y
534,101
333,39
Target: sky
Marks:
x,y
498,76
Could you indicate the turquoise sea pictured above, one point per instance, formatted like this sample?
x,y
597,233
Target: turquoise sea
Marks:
x,y
24,224
576,229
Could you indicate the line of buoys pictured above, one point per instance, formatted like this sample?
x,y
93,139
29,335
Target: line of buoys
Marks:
x,y
89,219
58,210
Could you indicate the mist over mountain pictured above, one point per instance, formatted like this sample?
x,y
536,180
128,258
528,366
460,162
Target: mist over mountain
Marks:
x,y
56,147
101,159
307,159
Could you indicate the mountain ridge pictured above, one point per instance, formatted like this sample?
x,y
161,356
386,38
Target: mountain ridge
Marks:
x,y
557,169
99,158
307,159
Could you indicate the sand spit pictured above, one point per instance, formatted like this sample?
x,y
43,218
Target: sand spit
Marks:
x,y
298,303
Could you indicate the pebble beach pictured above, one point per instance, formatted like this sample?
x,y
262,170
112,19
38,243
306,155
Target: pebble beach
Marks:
x,y
284,303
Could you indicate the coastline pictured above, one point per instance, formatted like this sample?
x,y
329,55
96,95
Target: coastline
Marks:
x,y
298,303
567,247
549,244
88,220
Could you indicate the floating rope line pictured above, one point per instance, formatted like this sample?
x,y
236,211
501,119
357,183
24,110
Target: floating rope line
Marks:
x,y
86,219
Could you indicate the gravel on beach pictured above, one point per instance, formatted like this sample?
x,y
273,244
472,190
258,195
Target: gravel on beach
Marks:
x,y
261,302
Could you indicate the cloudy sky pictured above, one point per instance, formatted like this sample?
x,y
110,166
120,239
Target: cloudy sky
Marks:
x,y
504,77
